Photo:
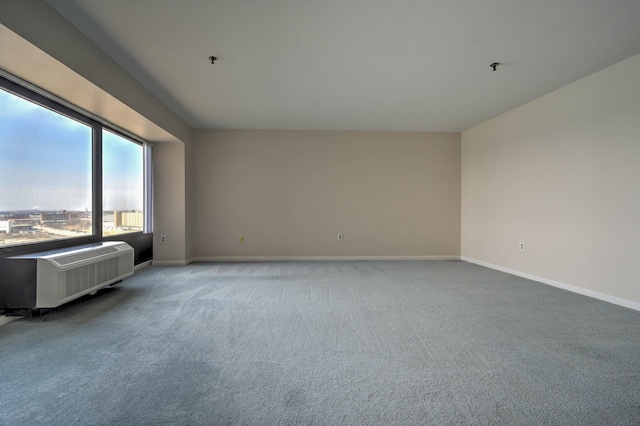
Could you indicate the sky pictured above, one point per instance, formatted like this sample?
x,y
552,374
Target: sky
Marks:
x,y
45,162
122,171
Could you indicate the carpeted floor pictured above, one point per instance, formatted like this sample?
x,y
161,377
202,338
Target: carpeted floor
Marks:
x,y
324,343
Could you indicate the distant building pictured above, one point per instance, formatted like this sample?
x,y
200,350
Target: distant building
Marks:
x,y
15,227
55,217
129,220
123,220
17,216
5,226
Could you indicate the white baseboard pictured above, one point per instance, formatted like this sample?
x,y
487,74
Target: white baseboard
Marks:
x,y
171,262
6,320
142,265
583,291
315,258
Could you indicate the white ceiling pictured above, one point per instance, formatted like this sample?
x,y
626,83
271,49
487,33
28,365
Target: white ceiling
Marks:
x,y
401,65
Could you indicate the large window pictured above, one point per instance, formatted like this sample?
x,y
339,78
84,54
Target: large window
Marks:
x,y
123,185
45,173
65,178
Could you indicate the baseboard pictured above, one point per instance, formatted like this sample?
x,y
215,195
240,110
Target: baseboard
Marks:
x,y
142,265
315,258
583,291
171,262
6,320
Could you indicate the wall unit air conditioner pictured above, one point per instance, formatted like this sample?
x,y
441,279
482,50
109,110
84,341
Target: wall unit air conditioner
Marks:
x,y
50,279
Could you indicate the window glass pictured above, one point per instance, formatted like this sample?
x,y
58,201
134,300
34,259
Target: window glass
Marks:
x,y
45,173
123,185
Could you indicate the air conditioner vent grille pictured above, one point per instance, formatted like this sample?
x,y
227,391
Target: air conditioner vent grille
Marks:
x,y
84,255
84,277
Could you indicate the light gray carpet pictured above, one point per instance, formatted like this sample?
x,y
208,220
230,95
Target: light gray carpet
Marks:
x,y
324,343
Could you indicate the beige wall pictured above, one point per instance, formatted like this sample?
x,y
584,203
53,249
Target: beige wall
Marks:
x,y
291,192
190,183
562,174
169,200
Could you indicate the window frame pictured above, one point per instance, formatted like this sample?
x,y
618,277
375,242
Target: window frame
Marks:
x,y
42,98
144,147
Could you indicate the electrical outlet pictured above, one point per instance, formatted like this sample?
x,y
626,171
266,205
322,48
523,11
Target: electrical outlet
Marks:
x,y
242,239
163,239
522,246
340,237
